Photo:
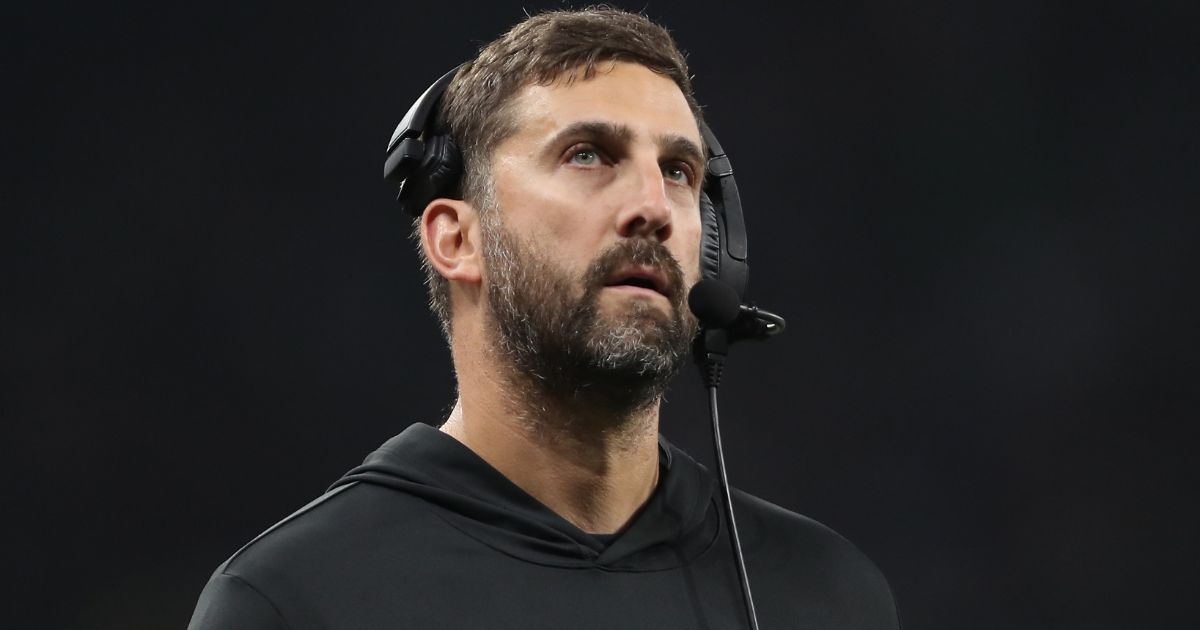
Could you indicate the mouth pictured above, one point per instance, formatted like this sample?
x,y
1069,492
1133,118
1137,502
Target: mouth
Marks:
x,y
641,277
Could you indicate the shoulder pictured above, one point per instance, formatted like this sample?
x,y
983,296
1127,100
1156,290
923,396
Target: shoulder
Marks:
x,y
230,603
315,559
248,589
763,522
333,528
802,558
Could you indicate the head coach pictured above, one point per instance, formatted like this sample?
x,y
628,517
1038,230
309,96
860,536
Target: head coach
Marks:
x,y
560,182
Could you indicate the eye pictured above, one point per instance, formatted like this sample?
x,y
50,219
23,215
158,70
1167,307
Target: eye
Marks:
x,y
585,157
678,172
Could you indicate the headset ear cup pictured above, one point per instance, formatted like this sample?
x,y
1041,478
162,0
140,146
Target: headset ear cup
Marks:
x,y
437,176
445,168
710,239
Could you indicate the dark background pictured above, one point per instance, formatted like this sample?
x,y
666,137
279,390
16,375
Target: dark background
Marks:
x,y
979,219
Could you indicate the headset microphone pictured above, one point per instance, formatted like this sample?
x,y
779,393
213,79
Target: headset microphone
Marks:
x,y
756,323
716,305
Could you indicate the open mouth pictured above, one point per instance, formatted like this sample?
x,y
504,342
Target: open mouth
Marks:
x,y
642,278
637,282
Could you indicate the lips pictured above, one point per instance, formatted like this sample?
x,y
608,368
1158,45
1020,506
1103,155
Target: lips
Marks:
x,y
642,276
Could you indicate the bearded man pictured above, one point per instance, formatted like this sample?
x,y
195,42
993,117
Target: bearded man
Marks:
x,y
547,498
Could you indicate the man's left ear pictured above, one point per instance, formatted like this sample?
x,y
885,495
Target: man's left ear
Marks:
x,y
450,236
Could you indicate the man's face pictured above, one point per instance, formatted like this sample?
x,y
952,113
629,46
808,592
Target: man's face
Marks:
x,y
593,239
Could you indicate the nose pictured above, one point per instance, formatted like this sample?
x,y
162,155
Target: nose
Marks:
x,y
648,212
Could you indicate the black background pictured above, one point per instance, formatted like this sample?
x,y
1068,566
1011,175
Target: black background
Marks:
x,y
979,219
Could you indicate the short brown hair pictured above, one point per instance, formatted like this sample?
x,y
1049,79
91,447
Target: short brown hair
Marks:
x,y
556,45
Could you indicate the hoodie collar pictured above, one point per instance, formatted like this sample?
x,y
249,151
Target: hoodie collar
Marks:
x,y
679,521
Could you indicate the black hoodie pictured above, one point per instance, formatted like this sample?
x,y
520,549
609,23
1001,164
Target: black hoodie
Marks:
x,y
426,535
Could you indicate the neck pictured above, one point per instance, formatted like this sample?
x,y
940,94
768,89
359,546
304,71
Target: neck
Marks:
x,y
593,466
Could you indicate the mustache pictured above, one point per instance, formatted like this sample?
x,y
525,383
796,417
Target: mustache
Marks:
x,y
637,252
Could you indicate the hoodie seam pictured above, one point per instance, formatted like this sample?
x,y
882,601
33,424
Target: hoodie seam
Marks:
x,y
586,563
311,505
583,563
256,591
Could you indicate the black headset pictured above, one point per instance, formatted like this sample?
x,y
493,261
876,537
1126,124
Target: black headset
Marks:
x,y
427,164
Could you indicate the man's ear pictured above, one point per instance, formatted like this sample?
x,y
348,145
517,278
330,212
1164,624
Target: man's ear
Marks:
x,y
450,237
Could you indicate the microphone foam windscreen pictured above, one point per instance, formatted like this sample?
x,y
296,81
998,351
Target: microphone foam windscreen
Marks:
x,y
714,303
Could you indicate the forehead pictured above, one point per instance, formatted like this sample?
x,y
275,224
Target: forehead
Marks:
x,y
620,92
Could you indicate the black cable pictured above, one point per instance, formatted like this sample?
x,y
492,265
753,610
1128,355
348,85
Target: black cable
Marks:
x,y
726,320
737,542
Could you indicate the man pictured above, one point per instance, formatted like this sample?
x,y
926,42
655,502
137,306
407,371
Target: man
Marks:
x,y
547,499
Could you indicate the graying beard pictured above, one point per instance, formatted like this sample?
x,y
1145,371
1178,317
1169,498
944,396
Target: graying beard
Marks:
x,y
618,348
625,345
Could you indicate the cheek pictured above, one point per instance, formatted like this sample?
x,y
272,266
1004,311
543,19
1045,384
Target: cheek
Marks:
x,y
558,216
687,249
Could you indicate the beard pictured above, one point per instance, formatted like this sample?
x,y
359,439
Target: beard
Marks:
x,y
569,349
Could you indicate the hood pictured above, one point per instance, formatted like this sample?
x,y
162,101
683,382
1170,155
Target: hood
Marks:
x,y
678,522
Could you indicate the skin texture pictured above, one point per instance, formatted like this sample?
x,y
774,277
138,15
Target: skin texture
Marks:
x,y
594,163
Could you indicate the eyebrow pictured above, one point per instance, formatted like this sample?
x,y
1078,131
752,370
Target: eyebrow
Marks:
x,y
672,145
682,148
591,129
